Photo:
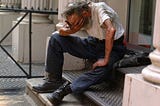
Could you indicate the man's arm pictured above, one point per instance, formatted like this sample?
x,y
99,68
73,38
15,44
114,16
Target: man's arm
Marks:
x,y
109,39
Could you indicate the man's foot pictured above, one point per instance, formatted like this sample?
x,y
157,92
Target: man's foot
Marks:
x,y
47,86
57,96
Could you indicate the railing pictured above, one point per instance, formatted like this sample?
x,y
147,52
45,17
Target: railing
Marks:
x,y
27,12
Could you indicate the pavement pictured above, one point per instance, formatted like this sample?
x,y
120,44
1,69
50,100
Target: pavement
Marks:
x,y
12,90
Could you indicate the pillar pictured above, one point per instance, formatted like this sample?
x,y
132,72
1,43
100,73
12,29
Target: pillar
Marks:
x,y
6,19
152,72
38,5
11,3
42,27
144,89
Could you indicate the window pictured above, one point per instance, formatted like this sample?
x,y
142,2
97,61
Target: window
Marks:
x,y
141,22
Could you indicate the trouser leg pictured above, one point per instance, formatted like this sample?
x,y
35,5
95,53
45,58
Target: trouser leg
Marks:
x,y
83,49
97,75
60,44
56,47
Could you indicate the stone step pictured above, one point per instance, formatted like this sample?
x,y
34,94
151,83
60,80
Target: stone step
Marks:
x,y
108,93
40,99
105,94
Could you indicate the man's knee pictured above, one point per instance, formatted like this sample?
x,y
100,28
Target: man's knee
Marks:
x,y
55,41
55,36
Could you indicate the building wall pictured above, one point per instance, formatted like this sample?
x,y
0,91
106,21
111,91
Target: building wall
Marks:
x,y
121,8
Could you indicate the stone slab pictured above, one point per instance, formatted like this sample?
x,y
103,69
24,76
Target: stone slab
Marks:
x,y
138,92
41,98
20,41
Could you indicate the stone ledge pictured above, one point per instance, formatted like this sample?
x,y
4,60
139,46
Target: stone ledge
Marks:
x,y
41,98
138,92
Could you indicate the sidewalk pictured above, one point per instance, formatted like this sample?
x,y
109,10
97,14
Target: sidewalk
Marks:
x,y
12,90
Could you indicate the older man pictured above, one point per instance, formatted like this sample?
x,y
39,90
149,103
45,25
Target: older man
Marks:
x,y
103,43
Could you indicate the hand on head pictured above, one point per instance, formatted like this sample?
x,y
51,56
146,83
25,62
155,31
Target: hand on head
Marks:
x,y
74,24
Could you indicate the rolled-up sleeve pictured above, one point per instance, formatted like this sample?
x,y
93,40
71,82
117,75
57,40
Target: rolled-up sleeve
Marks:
x,y
103,15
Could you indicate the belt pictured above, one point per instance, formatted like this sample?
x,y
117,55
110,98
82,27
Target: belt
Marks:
x,y
119,41
116,42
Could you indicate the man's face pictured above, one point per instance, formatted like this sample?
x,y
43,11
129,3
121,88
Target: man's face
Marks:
x,y
73,20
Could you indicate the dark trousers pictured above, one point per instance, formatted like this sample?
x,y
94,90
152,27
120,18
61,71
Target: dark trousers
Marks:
x,y
88,48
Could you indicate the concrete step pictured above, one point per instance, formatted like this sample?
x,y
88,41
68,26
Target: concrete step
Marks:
x,y
40,99
105,94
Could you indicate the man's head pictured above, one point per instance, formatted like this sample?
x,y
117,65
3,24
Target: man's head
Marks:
x,y
75,11
76,8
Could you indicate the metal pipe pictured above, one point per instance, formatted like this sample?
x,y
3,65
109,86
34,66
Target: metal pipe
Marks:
x,y
30,44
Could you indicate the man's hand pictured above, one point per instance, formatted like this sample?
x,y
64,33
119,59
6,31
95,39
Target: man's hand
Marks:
x,y
64,31
72,28
100,63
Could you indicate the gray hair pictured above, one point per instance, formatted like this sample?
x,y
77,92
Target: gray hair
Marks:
x,y
75,7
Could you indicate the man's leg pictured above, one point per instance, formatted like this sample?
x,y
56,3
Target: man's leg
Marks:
x,y
61,44
87,79
99,74
54,63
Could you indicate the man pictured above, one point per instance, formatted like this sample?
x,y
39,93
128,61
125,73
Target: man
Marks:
x,y
104,43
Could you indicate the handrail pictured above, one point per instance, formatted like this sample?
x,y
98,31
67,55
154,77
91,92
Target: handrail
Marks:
x,y
27,11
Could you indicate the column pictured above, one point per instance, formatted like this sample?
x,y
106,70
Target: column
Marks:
x,y
144,89
152,72
53,5
42,27
11,3
38,5
6,19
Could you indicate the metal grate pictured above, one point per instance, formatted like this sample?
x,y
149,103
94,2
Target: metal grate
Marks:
x,y
102,94
7,68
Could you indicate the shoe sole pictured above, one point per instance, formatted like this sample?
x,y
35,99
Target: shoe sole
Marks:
x,y
47,91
